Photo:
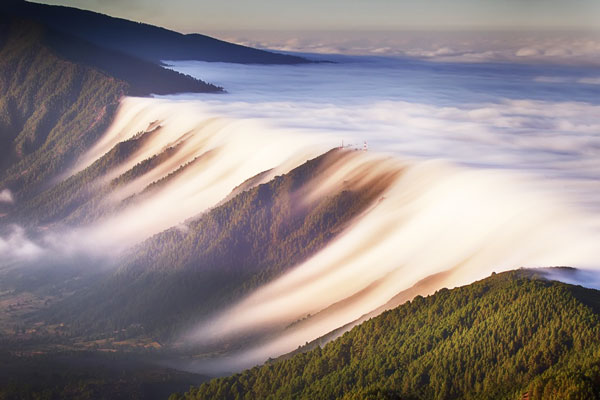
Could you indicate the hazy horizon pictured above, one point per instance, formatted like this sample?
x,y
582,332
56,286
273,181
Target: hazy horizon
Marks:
x,y
476,39
199,17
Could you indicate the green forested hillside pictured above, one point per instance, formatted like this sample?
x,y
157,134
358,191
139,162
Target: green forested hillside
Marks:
x,y
182,274
510,336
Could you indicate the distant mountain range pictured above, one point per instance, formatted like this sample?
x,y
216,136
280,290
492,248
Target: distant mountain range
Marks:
x,y
141,40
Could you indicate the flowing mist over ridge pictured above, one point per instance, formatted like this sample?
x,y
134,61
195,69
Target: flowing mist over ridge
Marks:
x,y
509,336
162,162
211,232
433,220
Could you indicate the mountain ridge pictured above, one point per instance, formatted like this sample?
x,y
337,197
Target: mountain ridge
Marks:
x,y
144,40
267,230
509,336
58,95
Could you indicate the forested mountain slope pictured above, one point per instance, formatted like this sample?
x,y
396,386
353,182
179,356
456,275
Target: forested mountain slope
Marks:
x,y
506,337
189,271
142,40
58,94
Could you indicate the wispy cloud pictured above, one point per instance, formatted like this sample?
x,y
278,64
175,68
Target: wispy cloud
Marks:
x,y
6,196
590,81
16,246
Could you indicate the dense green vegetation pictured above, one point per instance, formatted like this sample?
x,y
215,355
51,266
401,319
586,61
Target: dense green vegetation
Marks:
x,y
185,273
499,338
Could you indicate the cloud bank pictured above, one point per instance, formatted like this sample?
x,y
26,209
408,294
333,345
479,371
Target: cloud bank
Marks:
x,y
455,46
498,167
526,194
522,119
433,218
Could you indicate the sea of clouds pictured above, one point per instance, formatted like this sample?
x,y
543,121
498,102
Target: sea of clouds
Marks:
x,y
525,137
501,160
539,121
564,47
542,121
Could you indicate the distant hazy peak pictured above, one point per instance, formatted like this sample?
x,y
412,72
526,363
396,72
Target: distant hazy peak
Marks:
x,y
142,40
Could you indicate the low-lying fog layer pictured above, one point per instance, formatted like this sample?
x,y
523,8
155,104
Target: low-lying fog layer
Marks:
x,y
208,156
543,121
495,167
218,154
530,196
434,218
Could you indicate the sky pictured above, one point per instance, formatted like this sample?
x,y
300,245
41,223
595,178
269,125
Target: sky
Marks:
x,y
350,15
